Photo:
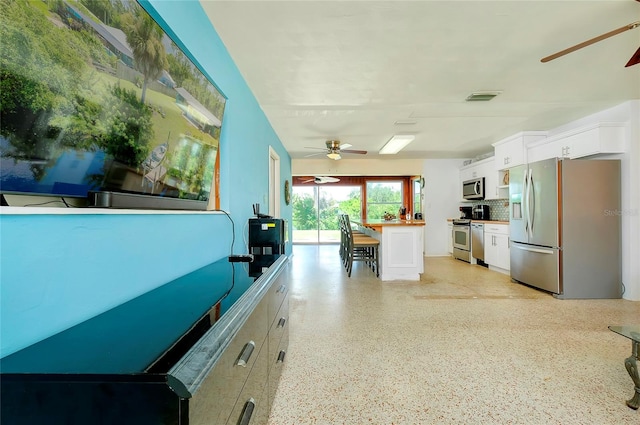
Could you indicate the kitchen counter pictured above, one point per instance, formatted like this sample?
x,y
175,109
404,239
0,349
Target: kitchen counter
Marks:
x,y
490,221
450,220
401,247
378,225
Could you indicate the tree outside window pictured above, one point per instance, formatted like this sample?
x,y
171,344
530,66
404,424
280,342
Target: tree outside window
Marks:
x,y
383,197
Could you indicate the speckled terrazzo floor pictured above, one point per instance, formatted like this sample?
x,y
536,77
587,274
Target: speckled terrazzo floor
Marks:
x,y
464,345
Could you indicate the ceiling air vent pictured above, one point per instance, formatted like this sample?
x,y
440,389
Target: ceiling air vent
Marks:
x,y
483,96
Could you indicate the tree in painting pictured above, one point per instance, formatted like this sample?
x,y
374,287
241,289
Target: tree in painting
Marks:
x,y
144,37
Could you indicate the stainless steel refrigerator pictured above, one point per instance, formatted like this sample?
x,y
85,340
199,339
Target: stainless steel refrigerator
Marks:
x,y
565,227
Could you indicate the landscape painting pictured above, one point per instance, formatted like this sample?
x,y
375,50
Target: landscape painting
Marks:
x,y
94,95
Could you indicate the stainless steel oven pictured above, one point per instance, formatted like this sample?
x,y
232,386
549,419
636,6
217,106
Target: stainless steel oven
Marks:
x,y
462,239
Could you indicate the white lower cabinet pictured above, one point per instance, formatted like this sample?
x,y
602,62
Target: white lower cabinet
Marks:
x,y
450,238
496,246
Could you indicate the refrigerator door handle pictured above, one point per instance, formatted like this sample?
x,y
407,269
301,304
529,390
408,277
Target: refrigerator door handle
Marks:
x,y
537,250
532,205
524,201
527,207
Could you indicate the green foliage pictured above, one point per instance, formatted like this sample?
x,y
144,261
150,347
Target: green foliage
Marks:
x,y
382,198
107,11
304,212
179,67
353,205
144,37
127,127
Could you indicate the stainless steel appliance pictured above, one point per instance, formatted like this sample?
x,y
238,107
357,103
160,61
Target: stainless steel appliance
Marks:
x,y
466,212
462,239
477,241
481,212
565,227
473,189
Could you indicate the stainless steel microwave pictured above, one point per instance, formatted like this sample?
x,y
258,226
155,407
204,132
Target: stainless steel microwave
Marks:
x,y
473,189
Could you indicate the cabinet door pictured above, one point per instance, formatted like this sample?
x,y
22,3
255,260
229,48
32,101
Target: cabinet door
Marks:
x,y
546,151
490,249
450,238
509,154
491,184
502,250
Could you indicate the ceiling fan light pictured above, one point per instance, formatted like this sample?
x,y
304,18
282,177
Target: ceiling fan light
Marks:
x,y
396,144
334,155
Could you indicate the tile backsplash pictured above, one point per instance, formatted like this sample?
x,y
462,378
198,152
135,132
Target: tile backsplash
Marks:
x,y
498,208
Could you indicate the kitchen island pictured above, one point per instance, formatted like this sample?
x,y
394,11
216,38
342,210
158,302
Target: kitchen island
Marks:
x,y
401,246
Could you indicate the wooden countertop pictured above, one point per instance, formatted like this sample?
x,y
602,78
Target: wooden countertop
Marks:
x,y
490,221
377,225
483,221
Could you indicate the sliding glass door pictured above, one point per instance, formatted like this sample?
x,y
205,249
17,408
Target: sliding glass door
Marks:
x,y
316,210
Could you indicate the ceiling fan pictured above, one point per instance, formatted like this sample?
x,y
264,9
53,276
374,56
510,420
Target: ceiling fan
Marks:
x,y
334,150
635,59
322,180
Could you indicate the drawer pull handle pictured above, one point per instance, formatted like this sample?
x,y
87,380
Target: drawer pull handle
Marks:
x,y
281,289
281,322
246,354
281,355
247,412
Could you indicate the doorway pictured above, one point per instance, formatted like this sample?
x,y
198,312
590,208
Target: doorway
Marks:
x,y
316,210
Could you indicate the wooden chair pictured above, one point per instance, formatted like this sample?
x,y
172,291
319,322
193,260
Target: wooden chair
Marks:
x,y
358,247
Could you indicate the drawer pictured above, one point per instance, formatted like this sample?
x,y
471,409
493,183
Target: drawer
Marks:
x,y
277,363
501,229
216,397
278,291
279,328
252,406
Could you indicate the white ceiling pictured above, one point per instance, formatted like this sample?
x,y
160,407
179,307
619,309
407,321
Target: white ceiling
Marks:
x,y
351,69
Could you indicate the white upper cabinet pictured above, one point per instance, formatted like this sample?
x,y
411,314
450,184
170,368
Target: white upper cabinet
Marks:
x,y
512,151
600,138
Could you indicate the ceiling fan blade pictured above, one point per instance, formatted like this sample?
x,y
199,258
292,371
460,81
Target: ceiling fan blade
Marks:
x,y
353,151
317,149
591,41
326,179
344,146
635,59
314,154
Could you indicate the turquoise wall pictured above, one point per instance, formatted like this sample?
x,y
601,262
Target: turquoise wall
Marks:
x,y
57,270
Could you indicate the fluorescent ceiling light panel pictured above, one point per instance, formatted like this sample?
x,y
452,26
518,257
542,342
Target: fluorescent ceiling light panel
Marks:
x,y
396,144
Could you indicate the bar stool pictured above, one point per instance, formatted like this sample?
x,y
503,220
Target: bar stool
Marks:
x,y
359,248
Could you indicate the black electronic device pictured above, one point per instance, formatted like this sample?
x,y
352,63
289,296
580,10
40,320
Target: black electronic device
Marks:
x,y
87,126
241,258
266,236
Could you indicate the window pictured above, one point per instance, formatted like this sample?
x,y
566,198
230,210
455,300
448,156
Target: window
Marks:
x,y
417,195
383,196
316,209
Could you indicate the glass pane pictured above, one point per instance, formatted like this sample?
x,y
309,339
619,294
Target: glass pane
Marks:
x,y
334,200
417,197
383,197
305,214
460,237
